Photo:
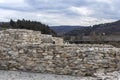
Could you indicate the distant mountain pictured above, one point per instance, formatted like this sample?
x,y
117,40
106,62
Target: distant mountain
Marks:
x,y
60,30
107,28
78,31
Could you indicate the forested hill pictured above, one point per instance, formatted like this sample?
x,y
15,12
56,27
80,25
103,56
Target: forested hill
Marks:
x,y
60,30
27,24
79,31
107,28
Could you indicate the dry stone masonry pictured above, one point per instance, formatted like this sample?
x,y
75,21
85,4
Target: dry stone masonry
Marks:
x,y
26,50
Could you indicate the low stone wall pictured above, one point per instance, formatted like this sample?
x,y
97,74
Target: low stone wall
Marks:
x,y
78,60
58,41
19,36
23,36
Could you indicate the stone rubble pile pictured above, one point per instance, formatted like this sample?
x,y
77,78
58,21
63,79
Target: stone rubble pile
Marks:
x,y
29,54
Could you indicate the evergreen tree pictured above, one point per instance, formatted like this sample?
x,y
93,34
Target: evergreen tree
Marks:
x,y
32,25
12,23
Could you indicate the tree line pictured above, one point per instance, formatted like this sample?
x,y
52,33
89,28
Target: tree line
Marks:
x,y
27,24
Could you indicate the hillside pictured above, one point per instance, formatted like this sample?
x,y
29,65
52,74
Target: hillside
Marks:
x,y
60,30
77,31
27,24
107,28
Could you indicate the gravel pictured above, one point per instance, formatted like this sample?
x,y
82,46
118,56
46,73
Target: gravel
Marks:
x,y
18,75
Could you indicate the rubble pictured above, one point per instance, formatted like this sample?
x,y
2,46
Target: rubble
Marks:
x,y
23,50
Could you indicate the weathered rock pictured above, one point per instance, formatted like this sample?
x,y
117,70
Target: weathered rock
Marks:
x,y
48,57
27,53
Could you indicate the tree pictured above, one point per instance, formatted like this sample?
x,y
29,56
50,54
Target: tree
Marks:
x,y
32,25
12,23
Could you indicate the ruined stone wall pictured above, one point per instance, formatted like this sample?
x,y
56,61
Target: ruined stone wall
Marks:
x,y
82,59
19,36
58,41
50,39
27,37
46,38
63,59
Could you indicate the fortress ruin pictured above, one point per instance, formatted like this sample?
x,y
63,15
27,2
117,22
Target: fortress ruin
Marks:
x,y
22,36
28,50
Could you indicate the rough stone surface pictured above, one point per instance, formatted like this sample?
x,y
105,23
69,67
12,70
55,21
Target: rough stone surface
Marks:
x,y
22,36
17,53
15,75
18,75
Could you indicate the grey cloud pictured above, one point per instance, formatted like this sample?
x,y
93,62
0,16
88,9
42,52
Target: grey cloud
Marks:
x,y
102,9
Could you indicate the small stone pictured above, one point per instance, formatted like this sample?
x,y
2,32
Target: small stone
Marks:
x,y
13,53
48,57
14,69
50,62
29,63
21,51
34,51
64,55
58,56
44,54
21,67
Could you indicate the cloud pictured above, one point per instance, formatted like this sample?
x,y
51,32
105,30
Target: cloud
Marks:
x,y
83,11
2,1
61,12
105,1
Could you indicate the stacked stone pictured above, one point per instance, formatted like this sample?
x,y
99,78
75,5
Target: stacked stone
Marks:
x,y
84,59
19,36
59,59
58,41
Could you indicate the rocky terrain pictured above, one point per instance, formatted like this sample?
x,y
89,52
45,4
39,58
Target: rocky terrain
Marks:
x,y
69,60
26,52
18,75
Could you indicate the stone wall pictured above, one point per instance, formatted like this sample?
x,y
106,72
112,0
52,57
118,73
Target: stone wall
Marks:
x,y
70,60
58,41
46,38
77,60
27,37
19,36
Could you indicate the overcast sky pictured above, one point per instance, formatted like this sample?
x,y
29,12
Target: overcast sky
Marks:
x,y
61,12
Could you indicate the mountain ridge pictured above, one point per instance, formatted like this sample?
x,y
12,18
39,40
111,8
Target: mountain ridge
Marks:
x,y
112,28
61,30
